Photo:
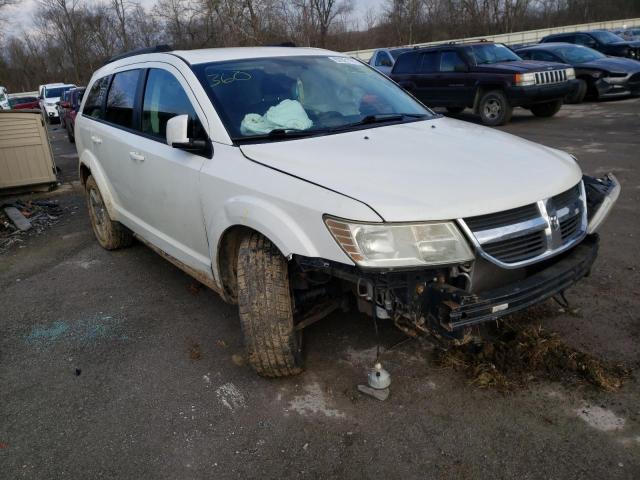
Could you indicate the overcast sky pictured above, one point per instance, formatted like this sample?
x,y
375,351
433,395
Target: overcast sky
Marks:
x,y
20,16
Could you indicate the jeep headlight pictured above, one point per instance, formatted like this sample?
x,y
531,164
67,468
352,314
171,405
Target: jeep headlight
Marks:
x,y
525,79
571,73
389,245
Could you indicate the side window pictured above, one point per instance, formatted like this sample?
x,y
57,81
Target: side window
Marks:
x,y
450,60
95,98
429,62
383,60
164,98
543,56
121,98
585,40
406,63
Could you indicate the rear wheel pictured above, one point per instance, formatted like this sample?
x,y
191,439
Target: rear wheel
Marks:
x,y
110,235
274,347
70,136
494,108
547,109
577,96
455,110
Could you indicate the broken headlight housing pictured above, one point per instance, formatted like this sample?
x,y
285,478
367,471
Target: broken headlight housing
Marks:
x,y
389,245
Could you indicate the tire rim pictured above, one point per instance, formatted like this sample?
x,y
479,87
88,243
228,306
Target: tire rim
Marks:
x,y
98,212
492,109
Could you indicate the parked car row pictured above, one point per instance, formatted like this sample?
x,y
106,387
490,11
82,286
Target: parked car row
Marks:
x,y
492,78
49,96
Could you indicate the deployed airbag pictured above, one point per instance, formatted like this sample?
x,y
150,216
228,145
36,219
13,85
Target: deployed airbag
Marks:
x,y
288,114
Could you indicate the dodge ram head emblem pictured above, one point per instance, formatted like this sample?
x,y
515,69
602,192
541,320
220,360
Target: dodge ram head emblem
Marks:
x,y
554,223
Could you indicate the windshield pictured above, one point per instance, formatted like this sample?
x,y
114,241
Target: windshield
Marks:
x,y
491,53
607,37
395,53
578,54
308,94
56,92
3,97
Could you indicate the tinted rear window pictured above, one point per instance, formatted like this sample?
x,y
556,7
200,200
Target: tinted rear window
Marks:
x,y
95,98
429,62
405,63
121,98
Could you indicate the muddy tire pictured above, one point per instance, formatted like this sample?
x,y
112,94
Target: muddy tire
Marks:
x,y
547,109
455,110
266,309
110,235
577,96
494,108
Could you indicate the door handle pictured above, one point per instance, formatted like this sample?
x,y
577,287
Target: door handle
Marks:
x,y
136,156
95,139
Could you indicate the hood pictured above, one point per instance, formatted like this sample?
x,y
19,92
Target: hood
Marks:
x,y
613,64
521,66
438,169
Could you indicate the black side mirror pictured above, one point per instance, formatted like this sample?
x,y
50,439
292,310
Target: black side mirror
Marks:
x,y
460,68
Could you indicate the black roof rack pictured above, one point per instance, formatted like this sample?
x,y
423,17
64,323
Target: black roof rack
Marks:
x,y
281,44
140,51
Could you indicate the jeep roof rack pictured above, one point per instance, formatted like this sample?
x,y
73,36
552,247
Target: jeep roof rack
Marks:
x,y
140,51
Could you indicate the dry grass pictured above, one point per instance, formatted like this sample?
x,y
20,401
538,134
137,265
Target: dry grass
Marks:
x,y
523,352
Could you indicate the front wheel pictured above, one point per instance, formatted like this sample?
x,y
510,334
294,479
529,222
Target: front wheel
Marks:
x,y
547,109
274,347
494,108
577,96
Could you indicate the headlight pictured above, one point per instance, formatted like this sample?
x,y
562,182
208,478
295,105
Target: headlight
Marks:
x,y
525,79
400,245
571,73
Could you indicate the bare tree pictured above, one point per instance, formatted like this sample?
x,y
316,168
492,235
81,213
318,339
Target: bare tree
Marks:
x,y
326,12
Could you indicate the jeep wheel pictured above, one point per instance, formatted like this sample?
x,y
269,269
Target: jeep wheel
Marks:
x,y
547,109
110,235
274,348
577,96
494,108
455,110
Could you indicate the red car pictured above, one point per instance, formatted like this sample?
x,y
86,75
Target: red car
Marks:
x,y
24,103
70,109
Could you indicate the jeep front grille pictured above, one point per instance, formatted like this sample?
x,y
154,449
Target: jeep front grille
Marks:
x,y
551,76
525,235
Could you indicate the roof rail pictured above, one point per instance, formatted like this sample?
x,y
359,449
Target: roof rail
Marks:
x,y
140,51
281,44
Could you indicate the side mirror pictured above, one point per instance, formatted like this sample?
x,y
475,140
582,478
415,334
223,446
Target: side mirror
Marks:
x,y
460,68
178,137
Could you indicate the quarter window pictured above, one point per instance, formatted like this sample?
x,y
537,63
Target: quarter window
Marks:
x,y
121,98
95,98
164,98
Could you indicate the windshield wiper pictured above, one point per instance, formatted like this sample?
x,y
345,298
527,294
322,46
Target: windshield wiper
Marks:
x,y
280,133
379,118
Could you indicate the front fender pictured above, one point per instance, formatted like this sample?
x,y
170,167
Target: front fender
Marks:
x,y
273,222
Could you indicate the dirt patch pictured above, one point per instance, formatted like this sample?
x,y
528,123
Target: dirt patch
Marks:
x,y
195,353
519,353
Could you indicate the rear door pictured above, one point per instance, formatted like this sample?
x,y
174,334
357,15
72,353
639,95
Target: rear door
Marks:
x,y
456,87
427,79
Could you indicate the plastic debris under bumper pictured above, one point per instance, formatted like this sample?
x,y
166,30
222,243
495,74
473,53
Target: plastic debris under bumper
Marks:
x,y
458,308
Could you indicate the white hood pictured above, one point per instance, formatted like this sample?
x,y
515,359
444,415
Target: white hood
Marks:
x,y
430,170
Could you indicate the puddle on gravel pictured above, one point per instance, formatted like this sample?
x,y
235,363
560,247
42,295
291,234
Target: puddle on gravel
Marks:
x,y
524,352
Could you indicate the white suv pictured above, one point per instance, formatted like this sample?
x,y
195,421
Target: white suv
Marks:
x,y
49,96
297,181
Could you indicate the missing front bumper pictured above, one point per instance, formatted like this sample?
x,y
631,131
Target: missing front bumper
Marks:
x,y
455,308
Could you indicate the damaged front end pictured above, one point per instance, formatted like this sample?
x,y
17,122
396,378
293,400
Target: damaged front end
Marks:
x,y
521,257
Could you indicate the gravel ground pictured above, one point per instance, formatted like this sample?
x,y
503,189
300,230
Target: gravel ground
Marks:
x,y
118,365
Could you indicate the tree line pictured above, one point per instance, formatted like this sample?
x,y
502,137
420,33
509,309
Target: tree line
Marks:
x,y
69,39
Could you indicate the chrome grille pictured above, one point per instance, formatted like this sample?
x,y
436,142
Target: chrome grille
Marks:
x,y
551,76
525,235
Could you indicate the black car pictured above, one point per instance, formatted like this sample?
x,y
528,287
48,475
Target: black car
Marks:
x,y
485,76
601,40
597,75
